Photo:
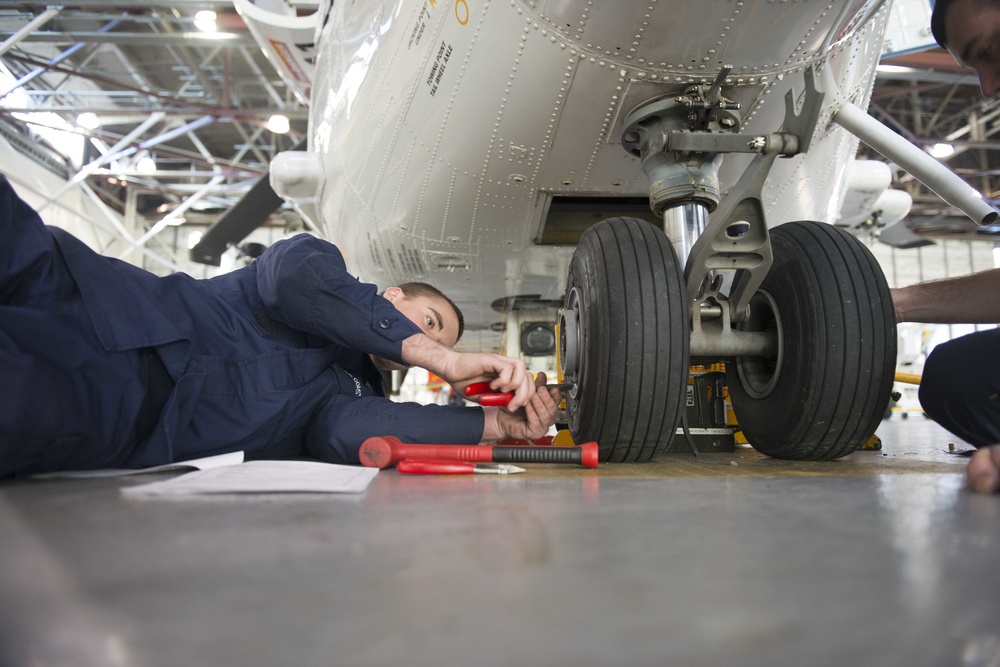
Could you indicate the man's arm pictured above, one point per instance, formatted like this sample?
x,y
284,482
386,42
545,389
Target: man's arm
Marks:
x,y
339,427
303,282
460,368
337,430
972,299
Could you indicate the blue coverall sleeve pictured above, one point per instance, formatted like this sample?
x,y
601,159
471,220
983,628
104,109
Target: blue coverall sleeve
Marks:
x,y
25,245
336,434
303,282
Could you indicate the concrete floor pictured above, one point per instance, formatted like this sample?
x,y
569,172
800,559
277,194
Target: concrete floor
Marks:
x,y
879,559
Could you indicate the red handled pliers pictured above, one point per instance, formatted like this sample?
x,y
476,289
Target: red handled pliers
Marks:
x,y
485,396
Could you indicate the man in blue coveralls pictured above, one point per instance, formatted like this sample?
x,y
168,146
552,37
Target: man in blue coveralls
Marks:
x,y
107,365
966,403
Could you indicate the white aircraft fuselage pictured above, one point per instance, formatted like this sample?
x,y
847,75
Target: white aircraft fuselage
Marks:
x,y
445,128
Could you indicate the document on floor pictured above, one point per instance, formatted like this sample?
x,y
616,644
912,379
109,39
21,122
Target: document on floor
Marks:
x,y
206,463
263,477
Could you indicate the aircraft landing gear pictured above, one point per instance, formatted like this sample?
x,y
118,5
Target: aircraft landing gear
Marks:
x,y
801,316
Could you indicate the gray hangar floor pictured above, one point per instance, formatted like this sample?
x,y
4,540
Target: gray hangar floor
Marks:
x,y
881,558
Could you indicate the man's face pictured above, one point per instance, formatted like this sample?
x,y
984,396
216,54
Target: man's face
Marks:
x,y
432,314
973,34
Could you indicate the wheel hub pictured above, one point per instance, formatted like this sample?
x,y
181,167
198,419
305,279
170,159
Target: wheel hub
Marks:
x,y
758,375
569,337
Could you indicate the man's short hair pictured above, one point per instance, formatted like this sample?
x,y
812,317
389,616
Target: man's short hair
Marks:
x,y
423,289
938,27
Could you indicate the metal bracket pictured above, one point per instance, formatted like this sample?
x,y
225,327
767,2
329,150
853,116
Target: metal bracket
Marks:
x,y
721,142
803,124
737,237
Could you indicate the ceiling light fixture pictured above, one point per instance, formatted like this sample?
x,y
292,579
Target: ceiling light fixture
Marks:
x,y
941,150
278,124
146,165
205,21
88,120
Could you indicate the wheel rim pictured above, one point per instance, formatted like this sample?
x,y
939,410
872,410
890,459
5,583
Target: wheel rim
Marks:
x,y
758,375
569,337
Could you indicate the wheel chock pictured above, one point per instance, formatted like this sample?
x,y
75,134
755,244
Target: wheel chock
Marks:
x,y
874,444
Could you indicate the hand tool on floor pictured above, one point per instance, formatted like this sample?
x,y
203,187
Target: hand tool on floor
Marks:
x,y
442,467
486,396
386,451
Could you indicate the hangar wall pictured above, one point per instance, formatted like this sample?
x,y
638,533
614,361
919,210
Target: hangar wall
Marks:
x,y
944,259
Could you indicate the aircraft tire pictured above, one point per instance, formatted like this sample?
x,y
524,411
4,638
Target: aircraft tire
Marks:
x,y
825,391
626,289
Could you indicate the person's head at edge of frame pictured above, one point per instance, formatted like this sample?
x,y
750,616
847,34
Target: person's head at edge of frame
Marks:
x,y
970,31
427,307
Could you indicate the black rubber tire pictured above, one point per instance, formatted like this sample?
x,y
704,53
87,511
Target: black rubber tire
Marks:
x,y
634,332
838,331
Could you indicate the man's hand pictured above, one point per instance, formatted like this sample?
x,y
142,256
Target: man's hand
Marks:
x,y
533,420
505,374
983,473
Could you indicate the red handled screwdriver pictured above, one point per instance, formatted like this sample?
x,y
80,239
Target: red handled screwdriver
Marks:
x,y
387,451
438,467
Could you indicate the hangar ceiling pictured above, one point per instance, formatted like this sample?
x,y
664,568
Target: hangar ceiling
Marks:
x,y
195,102
198,103
929,100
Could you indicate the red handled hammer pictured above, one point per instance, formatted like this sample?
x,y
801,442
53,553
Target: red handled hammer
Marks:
x,y
386,451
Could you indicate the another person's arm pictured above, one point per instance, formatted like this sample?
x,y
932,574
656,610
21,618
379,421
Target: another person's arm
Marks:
x,y
972,299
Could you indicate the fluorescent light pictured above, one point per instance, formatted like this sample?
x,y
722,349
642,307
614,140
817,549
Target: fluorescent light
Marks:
x,y
146,165
88,120
205,21
941,150
278,124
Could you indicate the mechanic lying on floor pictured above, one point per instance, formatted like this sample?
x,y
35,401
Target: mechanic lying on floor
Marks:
x,y
106,365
